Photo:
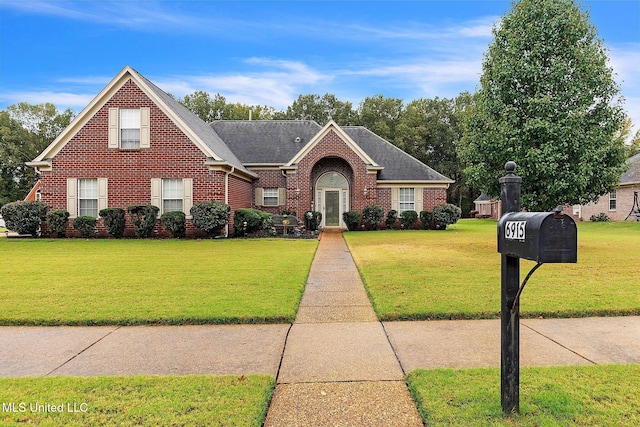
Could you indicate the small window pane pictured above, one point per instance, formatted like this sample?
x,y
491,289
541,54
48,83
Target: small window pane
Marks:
x,y
270,197
129,128
406,199
88,197
171,195
613,200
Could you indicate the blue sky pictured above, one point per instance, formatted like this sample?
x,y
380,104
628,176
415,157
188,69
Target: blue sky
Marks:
x,y
268,53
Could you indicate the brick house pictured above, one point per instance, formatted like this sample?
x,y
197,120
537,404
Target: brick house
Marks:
x,y
134,144
619,203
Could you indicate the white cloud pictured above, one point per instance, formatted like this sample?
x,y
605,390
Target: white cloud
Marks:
x,y
62,100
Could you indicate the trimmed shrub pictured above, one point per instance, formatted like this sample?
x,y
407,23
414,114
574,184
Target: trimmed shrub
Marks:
x,y
446,214
312,220
426,217
601,217
210,216
144,218
256,220
352,219
86,226
175,222
57,222
114,219
24,217
392,216
408,219
372,216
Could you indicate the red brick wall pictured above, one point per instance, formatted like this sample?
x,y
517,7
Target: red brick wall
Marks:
x,y
332,146
129,172
432,197
269,178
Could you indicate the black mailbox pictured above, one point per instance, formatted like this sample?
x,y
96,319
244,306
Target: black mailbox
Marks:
x,y
544,237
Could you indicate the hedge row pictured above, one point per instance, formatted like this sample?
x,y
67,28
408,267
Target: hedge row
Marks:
x,y
371,218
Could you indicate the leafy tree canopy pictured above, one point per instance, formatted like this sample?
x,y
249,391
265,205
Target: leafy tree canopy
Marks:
x,y
549,102
25,130
319,109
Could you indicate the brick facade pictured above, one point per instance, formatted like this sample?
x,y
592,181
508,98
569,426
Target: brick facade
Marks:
x,y
624,204
174,150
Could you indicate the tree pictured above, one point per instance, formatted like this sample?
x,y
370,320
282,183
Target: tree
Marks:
x,y
549,102
209,109
381,115
319,109
25,130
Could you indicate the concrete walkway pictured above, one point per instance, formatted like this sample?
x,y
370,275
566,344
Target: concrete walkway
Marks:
x,y
336,365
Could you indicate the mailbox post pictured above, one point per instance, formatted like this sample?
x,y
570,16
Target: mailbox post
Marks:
x,y
509,285
543,237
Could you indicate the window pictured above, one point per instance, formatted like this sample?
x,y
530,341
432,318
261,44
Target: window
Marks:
x,y
270,197
407,200
172,195
613,200
129,128
88,197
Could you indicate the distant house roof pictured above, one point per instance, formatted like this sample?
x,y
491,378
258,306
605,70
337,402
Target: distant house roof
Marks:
x,y
485,198
632,175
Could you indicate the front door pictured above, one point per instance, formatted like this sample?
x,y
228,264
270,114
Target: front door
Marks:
x,y
332,208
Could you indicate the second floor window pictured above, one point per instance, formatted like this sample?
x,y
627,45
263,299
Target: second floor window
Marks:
x,y
129,128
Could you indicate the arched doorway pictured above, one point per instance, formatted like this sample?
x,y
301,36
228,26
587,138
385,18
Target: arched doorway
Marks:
x,y
332,198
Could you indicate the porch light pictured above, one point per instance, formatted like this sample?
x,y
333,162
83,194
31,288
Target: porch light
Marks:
x,y
366,191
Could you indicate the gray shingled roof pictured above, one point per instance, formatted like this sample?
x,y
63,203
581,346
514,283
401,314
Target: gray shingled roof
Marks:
x,y
398,165
266,141
632,175
198,126
274,141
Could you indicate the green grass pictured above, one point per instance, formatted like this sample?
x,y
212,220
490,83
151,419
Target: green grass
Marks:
x,y
101,282
456,273
556,396
129,401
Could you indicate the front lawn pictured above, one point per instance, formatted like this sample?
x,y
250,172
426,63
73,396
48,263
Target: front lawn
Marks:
x,y
128,401
102,282
551,396
456,273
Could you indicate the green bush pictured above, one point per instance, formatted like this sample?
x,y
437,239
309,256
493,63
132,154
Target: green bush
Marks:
x,y
175,222
426,217
408,219
144,218
24,217
372,216
57,222
210,216
312,220
601,217
352,219
392,216
256,220
114,219
86,226
446,214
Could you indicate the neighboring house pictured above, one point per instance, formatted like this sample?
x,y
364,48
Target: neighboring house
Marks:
x,y
134,144
619,203
487,206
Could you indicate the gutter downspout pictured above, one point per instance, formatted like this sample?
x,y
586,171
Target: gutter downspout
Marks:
x,y
226,195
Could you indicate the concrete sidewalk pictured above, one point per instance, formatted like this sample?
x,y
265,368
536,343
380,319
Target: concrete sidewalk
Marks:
x,y
336,365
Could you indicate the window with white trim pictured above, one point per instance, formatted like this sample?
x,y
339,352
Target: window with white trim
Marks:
x,y
613,200
129,128
88,197
172,195
406,199
270,197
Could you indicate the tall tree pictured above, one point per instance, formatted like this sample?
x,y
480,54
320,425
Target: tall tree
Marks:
x,y
548,101
319,109
381,115
25,130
